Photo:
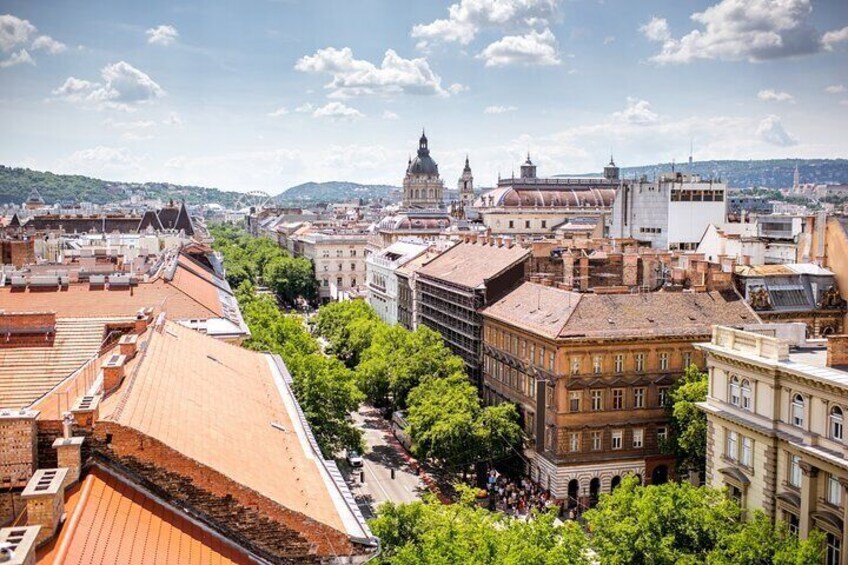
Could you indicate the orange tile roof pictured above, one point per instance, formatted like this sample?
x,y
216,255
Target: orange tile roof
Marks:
x,y
229,409
472,264
26,373
200,289
112,522
80,302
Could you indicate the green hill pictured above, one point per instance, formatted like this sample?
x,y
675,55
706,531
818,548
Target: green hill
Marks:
x,y
335,191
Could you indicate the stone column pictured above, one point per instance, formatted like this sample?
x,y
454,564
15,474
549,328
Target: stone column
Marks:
x,y
809,487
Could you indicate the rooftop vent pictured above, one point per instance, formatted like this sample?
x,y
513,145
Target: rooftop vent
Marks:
x,y
17,545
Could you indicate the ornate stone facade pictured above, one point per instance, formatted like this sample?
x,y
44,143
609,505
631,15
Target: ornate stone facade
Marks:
x,y
422,186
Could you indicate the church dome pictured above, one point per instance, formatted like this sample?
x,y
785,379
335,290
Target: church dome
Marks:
x,y
423,164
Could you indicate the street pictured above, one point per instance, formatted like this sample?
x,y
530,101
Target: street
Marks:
x,y
383,453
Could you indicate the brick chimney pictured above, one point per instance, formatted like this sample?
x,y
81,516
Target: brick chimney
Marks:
x,y
69,451
18,438
499,241
837,350
128,345
45,500
27,329
142,319
20,545
113,372
86,410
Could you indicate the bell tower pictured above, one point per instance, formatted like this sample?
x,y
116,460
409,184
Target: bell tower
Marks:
x,y
466,185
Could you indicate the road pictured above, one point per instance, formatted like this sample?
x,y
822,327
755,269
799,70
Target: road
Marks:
x,y
382,455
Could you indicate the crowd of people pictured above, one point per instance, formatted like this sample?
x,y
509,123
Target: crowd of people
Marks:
x,y
520,498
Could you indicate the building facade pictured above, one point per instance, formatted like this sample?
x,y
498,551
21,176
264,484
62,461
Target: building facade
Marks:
x,y
338,258
775,430
381,267
590,374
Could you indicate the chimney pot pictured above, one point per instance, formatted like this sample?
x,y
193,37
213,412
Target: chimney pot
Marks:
x,y
113,372
45,498
21,542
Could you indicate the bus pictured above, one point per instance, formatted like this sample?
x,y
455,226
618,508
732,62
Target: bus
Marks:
x,y
399,430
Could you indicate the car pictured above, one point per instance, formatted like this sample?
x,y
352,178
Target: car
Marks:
x,y
354,459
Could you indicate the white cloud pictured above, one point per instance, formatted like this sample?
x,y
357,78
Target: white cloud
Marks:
x,y
637,112
835,89
123,87
771,131
609,39
279,112
48,44
163,35
468,17
752,30
101,159
770,95
337,111
174,120
831,38
389,115
305,108
357,77
499,109
656,29
456,88
16,34
533,48
19,58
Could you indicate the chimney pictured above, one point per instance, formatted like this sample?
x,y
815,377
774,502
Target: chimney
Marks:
x,y
509,242
128,345
45,500
113,372
473,238
837,350
18,437
69,451
17,545
547,282
142,319
499,241
86,410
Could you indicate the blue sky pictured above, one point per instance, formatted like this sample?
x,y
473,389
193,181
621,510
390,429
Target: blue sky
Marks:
x,y
266,94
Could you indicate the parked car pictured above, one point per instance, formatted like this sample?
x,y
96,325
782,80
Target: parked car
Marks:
x,y
354,459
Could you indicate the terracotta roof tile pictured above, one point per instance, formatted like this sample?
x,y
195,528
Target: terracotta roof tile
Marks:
x,y
472,264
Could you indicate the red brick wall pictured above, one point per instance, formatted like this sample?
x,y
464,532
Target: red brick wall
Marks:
x,y
22,329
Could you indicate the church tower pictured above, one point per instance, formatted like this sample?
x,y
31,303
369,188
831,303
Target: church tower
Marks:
x,y
466,185
528,169
612,172
796,183
422,186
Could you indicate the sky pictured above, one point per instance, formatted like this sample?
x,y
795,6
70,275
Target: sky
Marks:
x,y
265,94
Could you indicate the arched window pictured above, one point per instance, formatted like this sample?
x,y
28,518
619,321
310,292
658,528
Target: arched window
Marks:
x,y
798,411
734,390
836,429
746,395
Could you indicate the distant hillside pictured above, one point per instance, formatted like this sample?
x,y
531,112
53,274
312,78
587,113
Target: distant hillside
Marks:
x,y
772,173
16,185
335,191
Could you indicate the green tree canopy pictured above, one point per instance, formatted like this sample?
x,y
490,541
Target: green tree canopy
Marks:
x,y
688,422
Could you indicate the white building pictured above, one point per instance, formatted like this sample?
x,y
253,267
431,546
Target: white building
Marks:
x,y
338,257
672,212
382,278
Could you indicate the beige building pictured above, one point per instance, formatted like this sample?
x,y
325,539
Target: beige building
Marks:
x,y
338,258
776,433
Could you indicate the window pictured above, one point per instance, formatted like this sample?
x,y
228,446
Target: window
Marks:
x,y
640,362
663,361
793,521
549,396
551,359
341,267
542,356
353,252
795,471
512,223
662,434
639,397
574,401
619,363
746,396
747,457
326,282
574,442
836,427
798,411
616,438
575,365
353,266
523,349
618,399
687,359
353,281
339,252
544,223
597,400
734,390
596,364
833,551
532,353
732,445
597,441
834,491
338,281
527,224
662,395
638,438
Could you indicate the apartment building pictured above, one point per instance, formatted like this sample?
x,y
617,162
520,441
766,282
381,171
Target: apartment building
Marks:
x,y
383,290
776,429
338,256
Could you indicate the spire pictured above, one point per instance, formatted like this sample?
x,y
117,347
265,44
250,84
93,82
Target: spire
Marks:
x,y
467,168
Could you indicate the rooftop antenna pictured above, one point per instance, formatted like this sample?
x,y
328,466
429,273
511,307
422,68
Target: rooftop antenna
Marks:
x,y
691,146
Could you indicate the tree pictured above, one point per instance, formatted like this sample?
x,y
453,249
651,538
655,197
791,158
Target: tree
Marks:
x,y
660,525
334,323
759,542
290,278
688,422
429,532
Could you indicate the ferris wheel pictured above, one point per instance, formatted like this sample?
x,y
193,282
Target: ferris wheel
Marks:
x,y
256,199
